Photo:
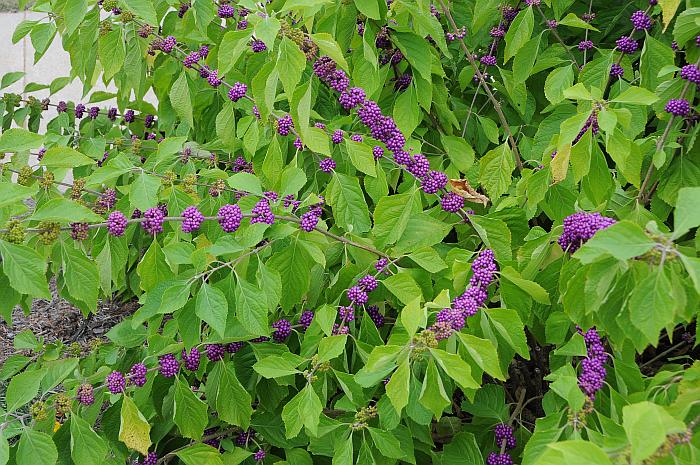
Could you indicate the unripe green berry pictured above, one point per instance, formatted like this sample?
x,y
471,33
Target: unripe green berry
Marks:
x,y
15,232
49,232
25,176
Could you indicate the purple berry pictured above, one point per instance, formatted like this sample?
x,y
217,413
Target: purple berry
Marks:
x,y
168,44
191,360
85,394
580,227
327,165
382,266
168,365
357,296
616,71
375,316
226,11
129,116
191,59
230,217
368,283
433,182
504,433
284,125
153,223
79,110
282,330
488,60
234,347
262,213
626,45
213,78
337,137
691,73
259,456
352,98
62,107
116,223
377,152
215,352
495,458
94,112
79,231
258,45
309,220
193,219
346,313
116,383
237,91
640,20
452,202
678,107
305,319
585,45
137,374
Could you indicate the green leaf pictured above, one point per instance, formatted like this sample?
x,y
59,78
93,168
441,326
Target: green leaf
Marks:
x,y
519,33
685,27
23,388
573,452
293,263
134,429
65,210
652,305
200,454
19,140
110,48
433,395
668,11
153,269
484,354
36,448
25,269
304,409
251,310
87,447
189,411
368,8
565,384
11,193
4,450
655,56
350,210
331,347
456,368
291,63
246,182
687,214
536,291
636,96
266,30
398,387
558,80
622,240
143,9
226,394
421,231
525,59
416,50
495,234
463,449
361,156
495,170
203,12
10,78
572,20
235,43
647,426
81,275
144,191
391,216
181,99
510,327
407,112
212,307
428,259
414,316
692,266
278,365
65,157
387,443
403,286
460,152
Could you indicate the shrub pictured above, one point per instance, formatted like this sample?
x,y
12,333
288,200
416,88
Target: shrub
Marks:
x,y
358,232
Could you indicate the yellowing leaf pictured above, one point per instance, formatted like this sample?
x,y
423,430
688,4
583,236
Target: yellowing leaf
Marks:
x,y
134,430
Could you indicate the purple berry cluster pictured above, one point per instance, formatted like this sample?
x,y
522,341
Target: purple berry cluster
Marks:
x,y
234,347
327,165
215,352
616,71
494,458
259,456
627,45
93,112
226,11
352,98
258,46
305,319
168,365
309,220
454,317
593,371
691,73
193,219
230,217
488,60
382,266
237,91
244,437
678,107
137,374
284,125
373,312
116,223
337,136
154,219
85,394
357,295
580,227
129,116
585,45
168,44
640,20
282,329
116,382
191,360
262,213
591,123
452,202
150,459
504,434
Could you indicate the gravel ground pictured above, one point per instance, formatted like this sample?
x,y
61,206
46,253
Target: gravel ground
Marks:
x,y
58,320
8,6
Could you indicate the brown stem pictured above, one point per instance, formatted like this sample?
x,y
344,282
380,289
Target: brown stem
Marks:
x,y
489,94
558,37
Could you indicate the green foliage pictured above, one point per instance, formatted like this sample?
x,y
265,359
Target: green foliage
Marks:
x,y
451,292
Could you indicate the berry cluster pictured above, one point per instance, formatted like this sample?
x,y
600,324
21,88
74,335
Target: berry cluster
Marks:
x,y
116,223
282,330
284,125
191,360
691,73
230,217
168,365
193,219
262,213
678,107
116,382
85,394
215,352
154,219
593,371
327,165
305,319
580,227
137,374
453,318
237,91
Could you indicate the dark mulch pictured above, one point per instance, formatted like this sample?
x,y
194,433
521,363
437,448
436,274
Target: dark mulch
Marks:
x,y
57,320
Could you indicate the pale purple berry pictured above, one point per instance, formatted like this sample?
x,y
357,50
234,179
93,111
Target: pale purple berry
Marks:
x,y
116,223
230,217
116,382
